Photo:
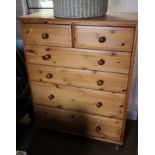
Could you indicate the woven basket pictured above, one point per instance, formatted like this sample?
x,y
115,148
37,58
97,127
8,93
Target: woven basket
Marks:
x,y
79,8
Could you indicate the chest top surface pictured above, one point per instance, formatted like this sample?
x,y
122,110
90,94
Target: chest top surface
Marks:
x,y
113,18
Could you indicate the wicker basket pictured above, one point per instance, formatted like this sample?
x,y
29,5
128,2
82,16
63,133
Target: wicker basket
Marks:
x,y
79,8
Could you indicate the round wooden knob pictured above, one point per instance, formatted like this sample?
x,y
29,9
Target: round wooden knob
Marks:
x,y
45,35
99,104
102,39
100,82
101,62
46,57
51,97
49,76
98,129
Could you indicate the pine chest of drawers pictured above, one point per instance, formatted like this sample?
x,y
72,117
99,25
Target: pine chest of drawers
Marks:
x,y
80,72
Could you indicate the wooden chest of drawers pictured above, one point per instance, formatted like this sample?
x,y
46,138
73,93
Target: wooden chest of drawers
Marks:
x,y
80,72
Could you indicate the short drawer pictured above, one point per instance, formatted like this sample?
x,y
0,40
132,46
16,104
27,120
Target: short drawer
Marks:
x,y
109,61
42,34
75,122
79,99
104,38
81,78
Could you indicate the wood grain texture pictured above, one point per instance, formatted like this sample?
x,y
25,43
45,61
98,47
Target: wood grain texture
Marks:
x,y
79,78
90,125
55,35
116,38
72,93
118,62
129,82
79,99
110,19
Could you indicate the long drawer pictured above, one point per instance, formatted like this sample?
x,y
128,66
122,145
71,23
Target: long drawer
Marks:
x,y
42,34
80,78
104,38
84,124
77,58
79,99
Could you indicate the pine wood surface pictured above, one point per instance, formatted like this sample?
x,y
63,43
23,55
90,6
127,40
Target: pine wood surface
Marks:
x,y
99,127
55,35
79,58
79,78
116,38
124,19
79,99
91,63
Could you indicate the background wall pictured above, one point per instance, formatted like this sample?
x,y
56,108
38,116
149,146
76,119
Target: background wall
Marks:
x,y
123,5
20,10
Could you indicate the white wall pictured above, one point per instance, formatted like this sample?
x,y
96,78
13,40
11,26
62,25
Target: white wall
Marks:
x,y
123,5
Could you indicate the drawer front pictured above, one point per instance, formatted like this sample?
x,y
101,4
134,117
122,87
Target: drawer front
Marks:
x,y
85,124
80,78
104,38
79,99
110,61
40,34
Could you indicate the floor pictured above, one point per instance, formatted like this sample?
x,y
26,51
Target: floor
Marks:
x,y
38,141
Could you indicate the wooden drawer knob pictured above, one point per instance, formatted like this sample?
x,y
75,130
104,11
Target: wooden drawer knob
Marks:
x,y
101,62
46,57
45,35
51,97
102,39
100,82
99,104
98,129
49,76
